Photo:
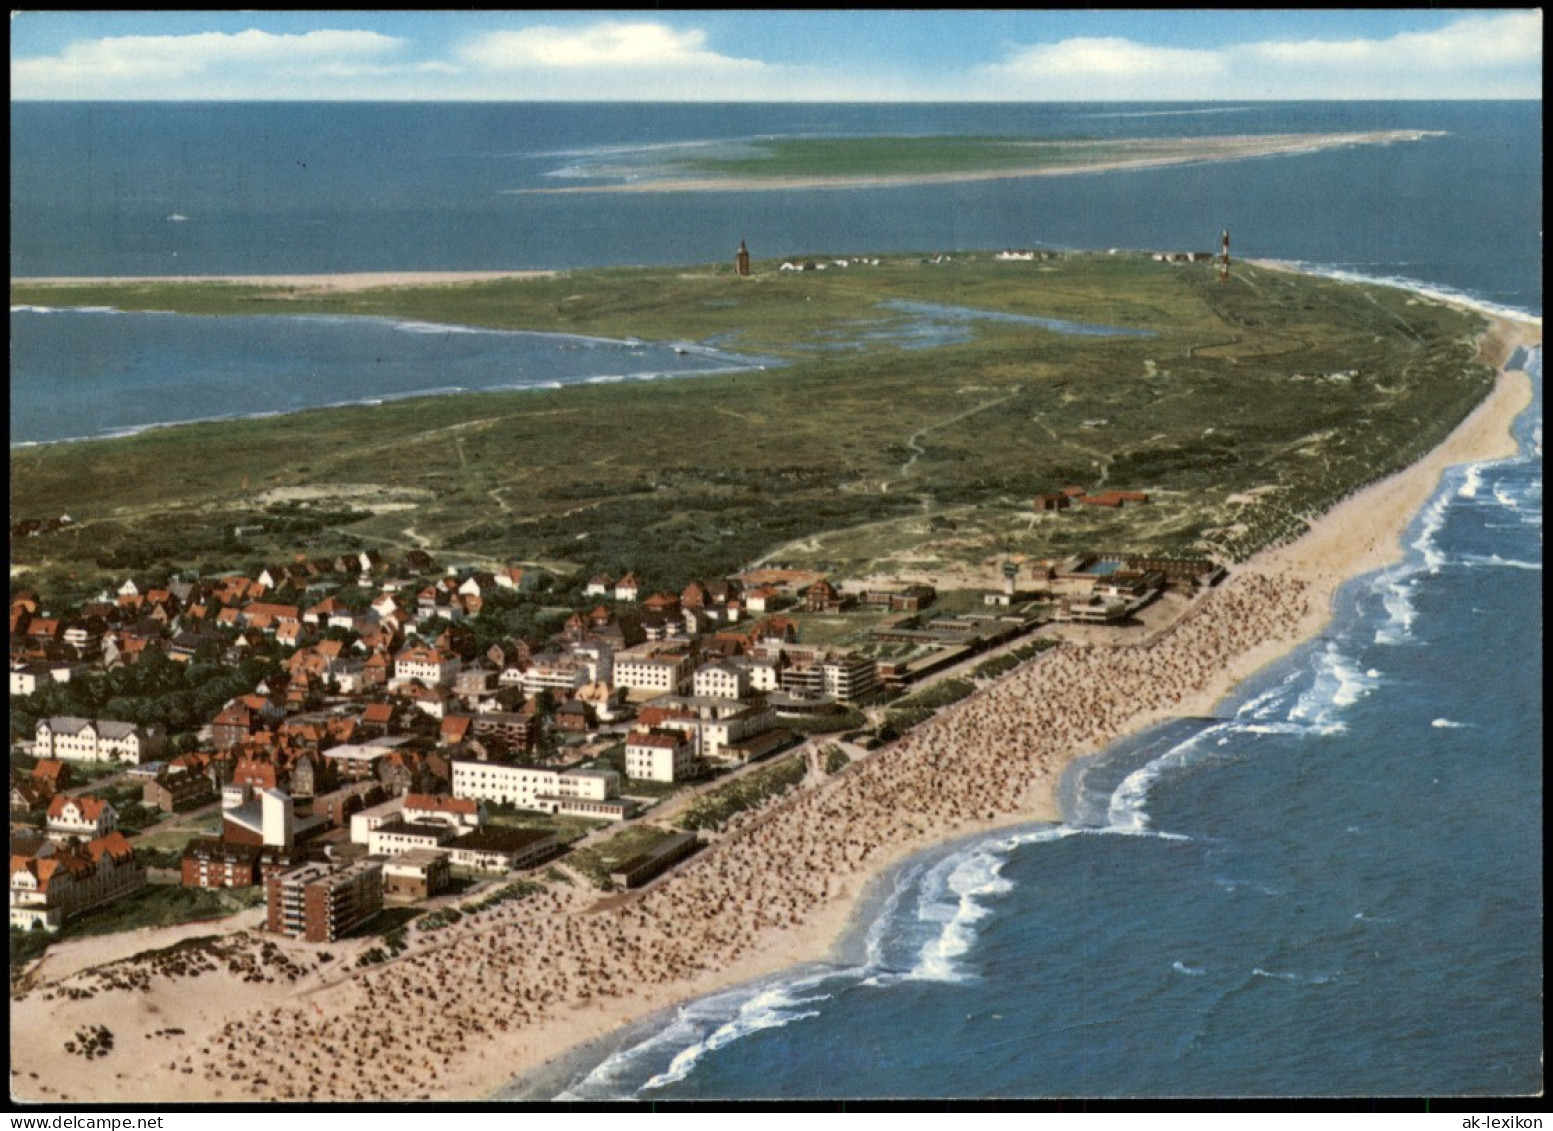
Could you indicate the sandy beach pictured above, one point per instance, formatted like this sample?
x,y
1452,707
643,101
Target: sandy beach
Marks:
x,y
509,991
346,281
1152,153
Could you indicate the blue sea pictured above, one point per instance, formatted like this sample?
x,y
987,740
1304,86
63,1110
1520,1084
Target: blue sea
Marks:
x,y
1332,888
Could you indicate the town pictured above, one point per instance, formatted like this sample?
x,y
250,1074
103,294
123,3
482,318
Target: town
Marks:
x,y
337,736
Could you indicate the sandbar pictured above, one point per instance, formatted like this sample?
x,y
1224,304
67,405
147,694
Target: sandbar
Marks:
x,y
1149,153
508,993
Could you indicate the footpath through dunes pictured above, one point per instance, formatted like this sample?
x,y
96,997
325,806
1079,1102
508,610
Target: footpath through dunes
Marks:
x,y
468,1007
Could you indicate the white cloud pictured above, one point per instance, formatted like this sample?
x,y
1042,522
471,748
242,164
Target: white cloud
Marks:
x,y
605,44
248,63
613,59
1476,56
107,62
1109,58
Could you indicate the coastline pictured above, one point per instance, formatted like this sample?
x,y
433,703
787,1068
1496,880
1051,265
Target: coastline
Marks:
x,y
1358,536
303,284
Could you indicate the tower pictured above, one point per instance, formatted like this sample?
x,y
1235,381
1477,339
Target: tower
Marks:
x,y
741,261
1224,256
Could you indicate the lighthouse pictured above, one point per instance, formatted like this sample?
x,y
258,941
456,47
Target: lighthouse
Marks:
x,y
741,262
1224,256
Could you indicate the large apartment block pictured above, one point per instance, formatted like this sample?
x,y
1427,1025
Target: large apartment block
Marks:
x,y
319,903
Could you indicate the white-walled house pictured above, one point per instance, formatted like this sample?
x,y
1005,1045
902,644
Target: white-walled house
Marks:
x,y
97,740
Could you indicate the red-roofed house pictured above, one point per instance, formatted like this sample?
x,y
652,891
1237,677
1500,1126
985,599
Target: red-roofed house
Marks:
x,y
84,817
455,729
63,880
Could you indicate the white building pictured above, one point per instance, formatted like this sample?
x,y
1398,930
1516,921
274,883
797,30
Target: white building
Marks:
x,y
665,673
364,821
396,837
558,673
586,793
97,740
432,666
659,756
84,817
722,680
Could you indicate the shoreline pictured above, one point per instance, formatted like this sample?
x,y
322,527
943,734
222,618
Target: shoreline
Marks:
x,y
809,893
302,284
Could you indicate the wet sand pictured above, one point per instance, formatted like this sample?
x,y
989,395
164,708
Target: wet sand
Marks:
x,y
510,993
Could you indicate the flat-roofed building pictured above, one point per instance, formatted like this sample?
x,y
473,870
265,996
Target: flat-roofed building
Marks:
x,y
663,673
588,793
419,873
499,849
399,836
319,902
656,860
365,820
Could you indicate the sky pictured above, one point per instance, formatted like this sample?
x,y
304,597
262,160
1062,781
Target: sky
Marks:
x,y
793,56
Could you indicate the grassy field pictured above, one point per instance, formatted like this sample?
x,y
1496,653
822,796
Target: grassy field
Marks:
x,y
888,156
1253,405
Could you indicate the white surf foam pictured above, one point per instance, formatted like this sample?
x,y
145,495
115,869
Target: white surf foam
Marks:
x,y
1289,976
1426,290
1496,560
769,1009
1339,682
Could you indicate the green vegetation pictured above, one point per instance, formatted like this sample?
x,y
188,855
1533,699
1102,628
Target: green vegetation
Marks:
x,y
1008,661
162,905
597,861
940,694
566,828
835,759
850,719
157,690
749,791
905,156
1255,405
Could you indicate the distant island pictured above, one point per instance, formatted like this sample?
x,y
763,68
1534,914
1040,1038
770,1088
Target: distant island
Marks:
x,y
871,162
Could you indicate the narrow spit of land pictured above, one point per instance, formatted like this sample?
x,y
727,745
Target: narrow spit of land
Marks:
x,y
511,988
